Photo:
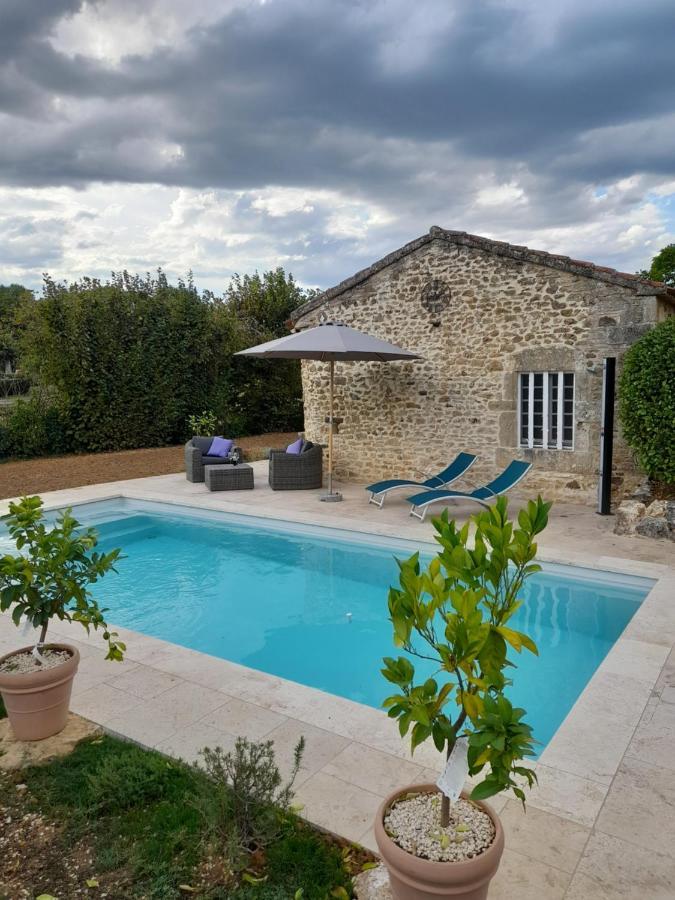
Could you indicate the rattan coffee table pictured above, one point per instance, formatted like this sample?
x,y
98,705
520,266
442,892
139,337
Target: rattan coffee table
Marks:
x,y
229,478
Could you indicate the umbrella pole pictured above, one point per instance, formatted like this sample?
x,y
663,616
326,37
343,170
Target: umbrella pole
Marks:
x,y
330,496
330,428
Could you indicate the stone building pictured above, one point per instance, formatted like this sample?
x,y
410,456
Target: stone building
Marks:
x,y
513,342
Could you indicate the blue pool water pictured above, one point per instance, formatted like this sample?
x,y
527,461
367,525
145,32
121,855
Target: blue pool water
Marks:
x,y
277,599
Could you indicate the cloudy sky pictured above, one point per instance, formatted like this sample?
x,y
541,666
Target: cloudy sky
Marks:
x,y
230,135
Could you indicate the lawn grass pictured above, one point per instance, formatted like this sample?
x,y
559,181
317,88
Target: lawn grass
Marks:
x,y
125,818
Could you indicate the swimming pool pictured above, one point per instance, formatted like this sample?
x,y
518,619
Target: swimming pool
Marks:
x,y
310,604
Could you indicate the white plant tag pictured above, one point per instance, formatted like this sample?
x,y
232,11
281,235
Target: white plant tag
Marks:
x,y
456,770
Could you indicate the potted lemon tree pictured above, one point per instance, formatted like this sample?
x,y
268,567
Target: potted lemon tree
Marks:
x,y
455,613
48,578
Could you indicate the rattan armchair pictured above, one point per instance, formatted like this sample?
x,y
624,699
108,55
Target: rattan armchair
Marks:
x,y
196,458
296,472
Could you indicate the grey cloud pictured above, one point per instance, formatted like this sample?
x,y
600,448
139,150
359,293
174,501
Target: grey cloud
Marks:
x,y
249,98
339,95
24,22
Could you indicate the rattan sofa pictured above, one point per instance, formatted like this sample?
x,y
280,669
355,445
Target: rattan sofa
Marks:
x,y
296,472
196,458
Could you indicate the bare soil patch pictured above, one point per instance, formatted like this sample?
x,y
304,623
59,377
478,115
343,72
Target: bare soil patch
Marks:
x,y
16,754
53,473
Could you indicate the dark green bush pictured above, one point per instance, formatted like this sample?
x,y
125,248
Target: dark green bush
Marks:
x,y
131,359
33,427
647,401
5,442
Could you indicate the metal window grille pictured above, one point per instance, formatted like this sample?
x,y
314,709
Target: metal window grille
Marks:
x,y
546,410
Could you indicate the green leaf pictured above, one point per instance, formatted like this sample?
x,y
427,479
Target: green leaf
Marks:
x,y
420,733
420,714
486,789
524,521
510,636
472,704
438,737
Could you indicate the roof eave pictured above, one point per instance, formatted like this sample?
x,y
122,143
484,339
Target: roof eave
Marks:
x,y
361,276
642,286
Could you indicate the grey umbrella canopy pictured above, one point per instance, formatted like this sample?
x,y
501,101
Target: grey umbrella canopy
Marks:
x,y
330,342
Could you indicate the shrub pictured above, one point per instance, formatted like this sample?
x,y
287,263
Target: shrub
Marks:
x,y
205,423
647,401
5,442
245,801
454,612
50,576
130,359
33,427
130,779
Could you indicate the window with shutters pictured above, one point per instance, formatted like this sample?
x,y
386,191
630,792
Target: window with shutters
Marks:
x,y
546,410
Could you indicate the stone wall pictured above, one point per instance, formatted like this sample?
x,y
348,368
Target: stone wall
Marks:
x,y
477,318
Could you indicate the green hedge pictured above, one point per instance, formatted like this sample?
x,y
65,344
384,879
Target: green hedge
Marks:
x,y
127,361
647,401
33,427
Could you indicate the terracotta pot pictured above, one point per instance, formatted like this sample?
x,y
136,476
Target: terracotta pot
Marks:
x,y
37,702
413,878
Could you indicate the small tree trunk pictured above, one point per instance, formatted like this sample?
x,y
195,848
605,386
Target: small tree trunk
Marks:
x,y
445,801
40,643
445,811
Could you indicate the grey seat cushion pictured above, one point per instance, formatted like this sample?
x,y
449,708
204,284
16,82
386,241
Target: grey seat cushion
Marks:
x,y
212,460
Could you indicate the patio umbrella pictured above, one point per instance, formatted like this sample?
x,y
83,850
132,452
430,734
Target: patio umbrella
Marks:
x,y
330,342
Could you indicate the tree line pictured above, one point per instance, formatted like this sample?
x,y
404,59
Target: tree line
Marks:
x,y
123,363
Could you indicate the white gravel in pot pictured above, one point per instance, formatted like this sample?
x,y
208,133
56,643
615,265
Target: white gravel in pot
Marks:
x,y
25,663
414,823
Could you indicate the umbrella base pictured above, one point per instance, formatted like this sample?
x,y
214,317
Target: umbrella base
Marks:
x,y
333,497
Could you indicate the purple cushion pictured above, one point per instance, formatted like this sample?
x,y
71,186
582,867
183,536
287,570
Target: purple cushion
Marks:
x,y
220,447
295,447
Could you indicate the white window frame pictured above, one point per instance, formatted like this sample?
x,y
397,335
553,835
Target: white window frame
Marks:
x,y
546,441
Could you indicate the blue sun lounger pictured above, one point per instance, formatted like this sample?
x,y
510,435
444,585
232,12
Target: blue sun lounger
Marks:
x,y
460,464
512,474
